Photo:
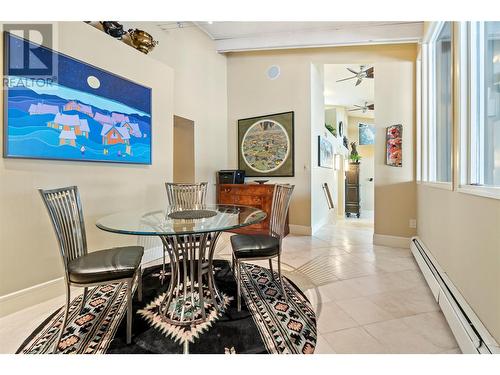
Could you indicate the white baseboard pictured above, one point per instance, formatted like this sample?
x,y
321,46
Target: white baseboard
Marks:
x,y
13,302
301,230
391,241
470,333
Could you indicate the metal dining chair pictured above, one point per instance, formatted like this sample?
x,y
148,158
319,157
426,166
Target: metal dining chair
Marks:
x,y
83,269
184,196
248,247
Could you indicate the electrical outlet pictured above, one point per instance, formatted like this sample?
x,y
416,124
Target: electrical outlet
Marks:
x,y
413,223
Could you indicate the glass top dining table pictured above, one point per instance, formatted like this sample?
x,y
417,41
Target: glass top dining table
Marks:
x,y
189,236
176,220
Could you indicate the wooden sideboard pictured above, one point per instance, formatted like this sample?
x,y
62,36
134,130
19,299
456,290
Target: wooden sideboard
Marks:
x,y
255,195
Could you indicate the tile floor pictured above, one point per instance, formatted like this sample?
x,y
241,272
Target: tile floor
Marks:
x,y
368,299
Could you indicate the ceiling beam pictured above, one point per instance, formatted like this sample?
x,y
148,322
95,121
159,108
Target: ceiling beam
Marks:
x,y
410,32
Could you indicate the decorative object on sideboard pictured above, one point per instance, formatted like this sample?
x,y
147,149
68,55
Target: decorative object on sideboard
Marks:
x,y
142,40
85,116
394,145
265,145
354,156
261,182
325,153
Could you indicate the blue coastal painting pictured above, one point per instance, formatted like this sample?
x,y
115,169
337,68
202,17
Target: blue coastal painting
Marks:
x,y
84,114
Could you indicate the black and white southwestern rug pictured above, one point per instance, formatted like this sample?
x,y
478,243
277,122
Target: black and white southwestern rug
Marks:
x,y
266,324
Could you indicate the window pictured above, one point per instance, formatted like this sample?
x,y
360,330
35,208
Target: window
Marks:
x,y
440,131
484,131
435,127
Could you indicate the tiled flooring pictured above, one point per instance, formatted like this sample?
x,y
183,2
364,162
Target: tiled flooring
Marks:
x,y
368,299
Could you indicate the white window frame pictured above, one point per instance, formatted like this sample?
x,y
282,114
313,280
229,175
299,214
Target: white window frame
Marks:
x,y
426,129
468,175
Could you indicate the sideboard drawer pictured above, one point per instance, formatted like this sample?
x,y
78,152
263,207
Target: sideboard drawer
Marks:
x,y
258,196
249,200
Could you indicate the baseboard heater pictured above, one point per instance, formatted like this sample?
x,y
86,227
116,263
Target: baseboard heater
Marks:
x,y
471,335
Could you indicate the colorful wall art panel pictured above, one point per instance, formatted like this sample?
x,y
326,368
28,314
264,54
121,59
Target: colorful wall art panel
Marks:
x,y
394,144
84,114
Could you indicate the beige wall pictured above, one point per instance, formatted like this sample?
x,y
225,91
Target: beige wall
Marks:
x,y
463,233
29,252
251,93
184,159
367,166
200,92
395,188
188,78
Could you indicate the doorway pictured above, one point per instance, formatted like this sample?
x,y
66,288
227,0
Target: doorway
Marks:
x,y
349,91
184,165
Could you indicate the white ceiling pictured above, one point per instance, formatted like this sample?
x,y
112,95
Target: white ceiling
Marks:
x,y
241,36
345,93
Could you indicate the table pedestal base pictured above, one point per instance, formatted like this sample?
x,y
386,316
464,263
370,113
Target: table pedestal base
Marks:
x,y
191,261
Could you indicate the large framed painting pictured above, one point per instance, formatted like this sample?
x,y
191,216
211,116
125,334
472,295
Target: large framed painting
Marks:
x,y
325,153
394,144
265,145
366,134
84,114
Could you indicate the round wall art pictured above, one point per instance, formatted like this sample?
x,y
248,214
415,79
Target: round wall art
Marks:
x,y
266,145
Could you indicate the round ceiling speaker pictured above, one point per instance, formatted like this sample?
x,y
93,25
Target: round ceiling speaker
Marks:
x,y
273,72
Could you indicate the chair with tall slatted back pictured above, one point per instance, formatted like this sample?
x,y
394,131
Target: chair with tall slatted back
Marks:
x,y
249,247
84,269
186,195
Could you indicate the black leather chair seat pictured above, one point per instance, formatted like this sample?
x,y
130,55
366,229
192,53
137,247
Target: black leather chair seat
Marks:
x,y
254,246
106,265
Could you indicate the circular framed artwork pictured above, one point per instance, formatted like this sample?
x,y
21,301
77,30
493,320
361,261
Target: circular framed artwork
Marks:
x,y
266,145
341,129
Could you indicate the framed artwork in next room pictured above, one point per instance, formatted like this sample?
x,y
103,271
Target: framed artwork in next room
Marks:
x,y
394,145
83,113
266,145
325,153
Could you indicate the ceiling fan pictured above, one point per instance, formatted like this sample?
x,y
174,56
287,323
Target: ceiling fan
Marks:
x,y
363,108
363,73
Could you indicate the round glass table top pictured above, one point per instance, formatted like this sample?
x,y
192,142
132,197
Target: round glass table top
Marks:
x,y
174,220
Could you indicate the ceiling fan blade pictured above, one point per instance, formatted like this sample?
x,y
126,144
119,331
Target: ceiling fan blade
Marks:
x,y
354,109
358,81
345,79
371,107
369,72
352,71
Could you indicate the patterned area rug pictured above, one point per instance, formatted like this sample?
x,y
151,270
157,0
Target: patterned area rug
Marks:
x,y
267,323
